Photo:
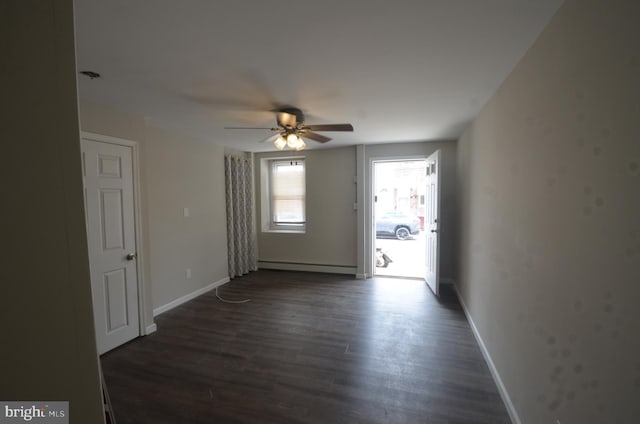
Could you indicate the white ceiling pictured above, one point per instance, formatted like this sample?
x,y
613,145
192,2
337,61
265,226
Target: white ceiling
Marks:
x,y
403,70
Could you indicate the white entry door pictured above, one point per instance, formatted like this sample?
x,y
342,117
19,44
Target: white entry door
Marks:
x,y
108,184
432,222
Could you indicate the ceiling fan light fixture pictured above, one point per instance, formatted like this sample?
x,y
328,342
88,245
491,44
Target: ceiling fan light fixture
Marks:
x,y
280,143
292,140
289,121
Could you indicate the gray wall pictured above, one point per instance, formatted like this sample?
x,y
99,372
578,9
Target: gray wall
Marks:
x,y
176,172
331,237
550,232
48,349
331,221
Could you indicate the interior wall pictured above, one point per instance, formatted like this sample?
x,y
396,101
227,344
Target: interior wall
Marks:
x,y
449,212
46,320
330,237
550,237
177,172
184,173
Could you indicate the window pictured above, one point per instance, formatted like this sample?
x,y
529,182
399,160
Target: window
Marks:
x,y
285,204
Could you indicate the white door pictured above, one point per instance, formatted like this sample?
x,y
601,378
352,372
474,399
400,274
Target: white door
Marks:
x,y
108,184
432,222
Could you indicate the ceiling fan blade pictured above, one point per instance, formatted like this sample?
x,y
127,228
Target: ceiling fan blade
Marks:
x,y
329,127
287,120
314,136
251,128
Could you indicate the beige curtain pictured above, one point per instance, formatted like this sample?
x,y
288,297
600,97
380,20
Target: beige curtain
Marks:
x,y
241,241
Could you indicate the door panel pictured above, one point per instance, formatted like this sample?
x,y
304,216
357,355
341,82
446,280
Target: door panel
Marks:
x,y
115,289
108,180
432,222
112,225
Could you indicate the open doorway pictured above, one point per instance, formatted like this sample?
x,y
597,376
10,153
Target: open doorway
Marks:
x,y
399,193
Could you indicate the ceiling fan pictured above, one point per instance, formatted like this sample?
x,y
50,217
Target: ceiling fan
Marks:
x,y
291,129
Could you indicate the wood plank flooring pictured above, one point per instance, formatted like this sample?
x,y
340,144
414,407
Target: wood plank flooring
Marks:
x,y
308,348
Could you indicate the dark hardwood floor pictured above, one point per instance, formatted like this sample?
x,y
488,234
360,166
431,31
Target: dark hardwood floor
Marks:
x,y
308,348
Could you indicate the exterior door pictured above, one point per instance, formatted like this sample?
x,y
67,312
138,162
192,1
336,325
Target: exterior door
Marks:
x,y
432,222
108,184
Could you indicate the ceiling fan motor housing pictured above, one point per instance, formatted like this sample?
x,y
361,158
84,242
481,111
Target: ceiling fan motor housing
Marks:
x,y
293,111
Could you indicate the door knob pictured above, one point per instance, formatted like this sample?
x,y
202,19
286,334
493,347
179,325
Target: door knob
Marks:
x,y
434,231
131,256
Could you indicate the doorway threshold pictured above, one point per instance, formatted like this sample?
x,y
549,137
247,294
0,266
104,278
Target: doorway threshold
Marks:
x,y
398,277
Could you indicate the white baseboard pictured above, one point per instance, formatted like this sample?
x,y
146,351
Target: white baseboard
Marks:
x,y
179,301
361,276
292,266
150,329
513,414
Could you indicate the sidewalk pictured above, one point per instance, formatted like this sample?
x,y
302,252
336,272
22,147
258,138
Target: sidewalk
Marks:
x,y
408,256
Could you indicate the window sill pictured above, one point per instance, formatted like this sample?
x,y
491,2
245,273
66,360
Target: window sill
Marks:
x,y
284,231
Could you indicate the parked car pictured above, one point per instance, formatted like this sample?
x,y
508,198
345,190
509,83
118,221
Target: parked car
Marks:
x,y
397,224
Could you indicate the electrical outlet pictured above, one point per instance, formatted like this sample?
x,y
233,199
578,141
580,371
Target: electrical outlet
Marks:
x,y
187,273
186,212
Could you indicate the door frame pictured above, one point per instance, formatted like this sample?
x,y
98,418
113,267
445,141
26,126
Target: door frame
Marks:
x,y
370,231
145,327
